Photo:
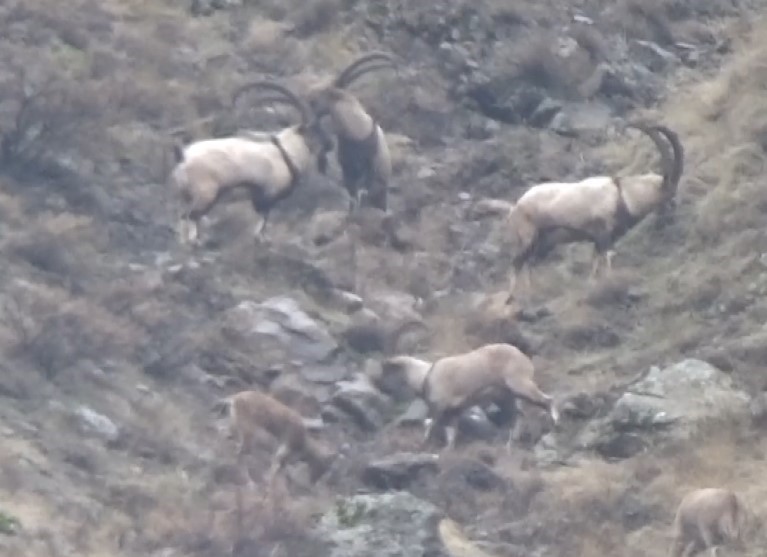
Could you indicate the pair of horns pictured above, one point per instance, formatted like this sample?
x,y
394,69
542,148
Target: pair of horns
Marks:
x,y
672,159
366,63
279,93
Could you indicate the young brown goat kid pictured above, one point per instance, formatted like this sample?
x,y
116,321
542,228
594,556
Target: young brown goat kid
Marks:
x,y
254,414
705,518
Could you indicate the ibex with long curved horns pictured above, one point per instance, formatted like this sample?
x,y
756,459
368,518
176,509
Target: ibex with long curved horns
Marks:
x,y
598,209
362,152
270,170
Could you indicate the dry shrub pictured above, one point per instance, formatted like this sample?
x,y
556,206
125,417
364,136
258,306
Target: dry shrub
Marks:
x,y
557,64
644,19
725,111
739,200
448,332
593,505
144,96
583,486
538,63
508,13
723,122
272,9
587,329
170,32
706,463
137,294
238,520
43,117
613,290
316,16
701,9
162,430
76,24
167,510
494,322
54,330
280,520
62,244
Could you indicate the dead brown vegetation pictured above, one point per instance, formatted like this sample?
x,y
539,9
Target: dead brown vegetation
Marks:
x,y
45,117
68,296
56,330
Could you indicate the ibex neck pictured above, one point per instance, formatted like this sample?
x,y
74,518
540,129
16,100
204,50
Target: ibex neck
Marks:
x,y
294,172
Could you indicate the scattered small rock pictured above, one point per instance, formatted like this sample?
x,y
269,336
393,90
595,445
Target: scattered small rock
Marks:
x,y
415,413
652,56
94,423
399,470
362,402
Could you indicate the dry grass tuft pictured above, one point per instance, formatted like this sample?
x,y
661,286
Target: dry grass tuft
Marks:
x,y
56,330
646,20
316,16
587,329
613,290
65,245
508,13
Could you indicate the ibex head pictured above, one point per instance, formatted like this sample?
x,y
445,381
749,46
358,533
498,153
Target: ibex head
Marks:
x,y
322,97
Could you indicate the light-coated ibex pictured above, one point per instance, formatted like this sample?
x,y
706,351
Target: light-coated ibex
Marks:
x,y
598,209
254,414
402,377
362,151
494,373
270,170
706,518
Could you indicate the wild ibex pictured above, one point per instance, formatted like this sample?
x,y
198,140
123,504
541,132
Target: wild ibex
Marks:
x,y
494,373
270,170
705,518
253,413
362,152
598,209
402,377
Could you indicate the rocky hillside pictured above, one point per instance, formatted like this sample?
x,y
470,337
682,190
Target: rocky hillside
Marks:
x,y
117,342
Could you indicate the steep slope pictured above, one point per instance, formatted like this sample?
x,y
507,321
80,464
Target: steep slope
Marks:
x,y
116,342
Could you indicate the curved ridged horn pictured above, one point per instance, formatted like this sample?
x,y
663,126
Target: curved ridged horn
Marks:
x,y
353,71
667,159
369,68
677,165
284,93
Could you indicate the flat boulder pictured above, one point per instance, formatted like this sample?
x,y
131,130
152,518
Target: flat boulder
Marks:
x,y
672,403
392,524
281,319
